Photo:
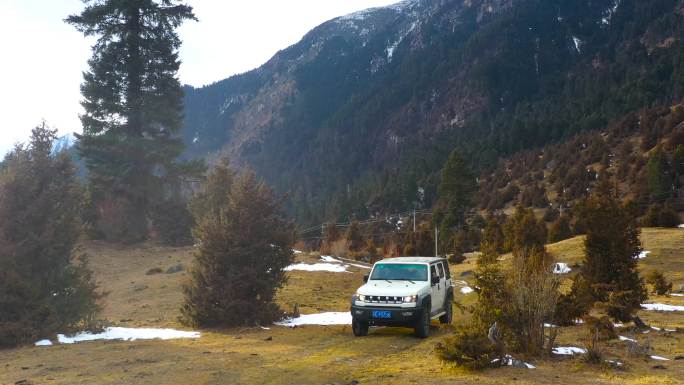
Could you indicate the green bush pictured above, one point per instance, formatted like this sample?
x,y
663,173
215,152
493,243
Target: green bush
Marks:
x,y
469,348
660,284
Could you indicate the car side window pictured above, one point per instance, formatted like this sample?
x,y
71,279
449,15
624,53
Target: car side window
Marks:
x,y
433,271
446,269
441,270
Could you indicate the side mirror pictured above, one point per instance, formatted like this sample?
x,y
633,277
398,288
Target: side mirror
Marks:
x,y
434,280
365,278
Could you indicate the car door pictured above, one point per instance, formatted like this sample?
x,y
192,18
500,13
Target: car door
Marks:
x,y
447,275
438,289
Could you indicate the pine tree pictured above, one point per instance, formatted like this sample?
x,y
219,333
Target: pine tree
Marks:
x,y
354,237
560,229
133,108
658,175
244,247
611,248
45,285
456,195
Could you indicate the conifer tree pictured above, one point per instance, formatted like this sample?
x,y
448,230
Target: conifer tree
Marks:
x,y
560,229
354,237
45,285
456,195
612,245
244,247
133,108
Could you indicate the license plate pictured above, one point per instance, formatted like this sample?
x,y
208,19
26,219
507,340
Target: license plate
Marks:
x,y
381,314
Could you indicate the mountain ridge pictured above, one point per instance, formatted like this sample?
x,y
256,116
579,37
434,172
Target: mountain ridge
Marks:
x,y
363,111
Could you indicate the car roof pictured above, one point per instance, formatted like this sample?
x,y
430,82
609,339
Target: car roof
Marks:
x,y
412,260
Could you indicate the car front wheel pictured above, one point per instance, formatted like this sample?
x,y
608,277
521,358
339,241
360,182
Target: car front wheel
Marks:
x,y
360,328
423,325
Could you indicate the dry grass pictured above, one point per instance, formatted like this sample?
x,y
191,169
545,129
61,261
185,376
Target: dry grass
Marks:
x,y
315,354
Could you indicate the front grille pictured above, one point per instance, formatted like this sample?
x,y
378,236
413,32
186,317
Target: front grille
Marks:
x,y
384,299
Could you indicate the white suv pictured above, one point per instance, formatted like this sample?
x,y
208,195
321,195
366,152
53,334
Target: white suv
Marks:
x,y
406,291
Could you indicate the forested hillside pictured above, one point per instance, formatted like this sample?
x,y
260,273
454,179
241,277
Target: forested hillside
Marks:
x,y
359,117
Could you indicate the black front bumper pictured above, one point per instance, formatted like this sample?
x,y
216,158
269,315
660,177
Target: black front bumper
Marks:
x,y
400,316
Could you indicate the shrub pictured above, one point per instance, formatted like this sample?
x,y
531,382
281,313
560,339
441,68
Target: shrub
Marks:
x,y
468,347
660,284
601,329
244,249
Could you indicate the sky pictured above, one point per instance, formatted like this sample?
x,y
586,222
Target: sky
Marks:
x,y
43,58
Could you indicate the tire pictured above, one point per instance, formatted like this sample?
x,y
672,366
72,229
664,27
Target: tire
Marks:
x,y
360,328
422,328
448,308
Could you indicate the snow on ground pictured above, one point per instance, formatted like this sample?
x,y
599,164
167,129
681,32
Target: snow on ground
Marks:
x,y
681,226
677,295
125,334
317,267
510,361
643,254
329,318
661,307
659,358
568,350
623,338
331,259
467,290
561,268
297,251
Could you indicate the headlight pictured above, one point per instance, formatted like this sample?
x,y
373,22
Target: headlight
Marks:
x,y
410,299
360,297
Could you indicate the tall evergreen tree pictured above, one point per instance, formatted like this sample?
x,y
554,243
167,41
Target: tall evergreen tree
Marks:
x,y
133,106
244,247
45,286
456,195
611,246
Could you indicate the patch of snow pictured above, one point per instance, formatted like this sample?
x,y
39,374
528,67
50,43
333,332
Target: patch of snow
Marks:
x,y
578,44
677,294
43,343
317,267
330,259
265,328
617,363
546,325
128,334
661,307
568,350
329,318
297,251
681,226
467,290
579,321
659,358
561,268
623,338
643,254
510,361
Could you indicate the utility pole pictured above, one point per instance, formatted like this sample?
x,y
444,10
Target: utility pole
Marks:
x,y
436,235
414,220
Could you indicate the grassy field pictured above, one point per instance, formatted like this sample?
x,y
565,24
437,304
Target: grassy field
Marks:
x,y
318,354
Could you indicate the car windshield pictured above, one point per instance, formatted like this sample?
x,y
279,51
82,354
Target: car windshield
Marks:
x,y
399,272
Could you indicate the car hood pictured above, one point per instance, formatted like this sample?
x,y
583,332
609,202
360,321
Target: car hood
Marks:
x,y
396,288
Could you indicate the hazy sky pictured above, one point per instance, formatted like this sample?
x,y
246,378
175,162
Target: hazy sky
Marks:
x,y
43,58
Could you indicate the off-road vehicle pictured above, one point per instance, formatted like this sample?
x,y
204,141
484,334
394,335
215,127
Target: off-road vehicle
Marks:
x,y
406,291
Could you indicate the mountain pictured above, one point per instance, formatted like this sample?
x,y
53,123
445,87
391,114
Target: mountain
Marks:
x,y
359,116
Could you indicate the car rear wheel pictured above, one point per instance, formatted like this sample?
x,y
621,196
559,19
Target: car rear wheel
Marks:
x,y
446,318
423,325
360,328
